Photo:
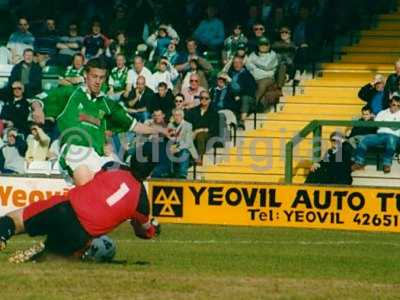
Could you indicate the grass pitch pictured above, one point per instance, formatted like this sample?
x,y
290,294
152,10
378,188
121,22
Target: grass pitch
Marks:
x,y
213,262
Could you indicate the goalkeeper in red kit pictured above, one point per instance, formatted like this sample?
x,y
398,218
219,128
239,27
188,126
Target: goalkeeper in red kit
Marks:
x,y
115,194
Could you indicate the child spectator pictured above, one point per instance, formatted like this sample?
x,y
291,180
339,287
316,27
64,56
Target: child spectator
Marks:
x,y
356,133
165,73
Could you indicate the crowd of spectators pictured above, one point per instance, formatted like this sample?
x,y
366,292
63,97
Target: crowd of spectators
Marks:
x,y
186,65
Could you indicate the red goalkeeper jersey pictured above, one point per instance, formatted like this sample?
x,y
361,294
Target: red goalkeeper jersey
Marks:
x,y
111,198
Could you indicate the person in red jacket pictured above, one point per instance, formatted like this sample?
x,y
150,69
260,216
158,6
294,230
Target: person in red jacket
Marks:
x,y
115,194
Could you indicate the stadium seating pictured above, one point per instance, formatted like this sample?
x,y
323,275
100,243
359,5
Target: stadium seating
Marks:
x,y
333,95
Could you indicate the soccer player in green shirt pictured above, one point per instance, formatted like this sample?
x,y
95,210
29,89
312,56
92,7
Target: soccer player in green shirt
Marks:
x,y
83,114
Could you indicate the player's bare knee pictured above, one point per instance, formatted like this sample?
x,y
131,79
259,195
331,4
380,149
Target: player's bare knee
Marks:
x,y
82,175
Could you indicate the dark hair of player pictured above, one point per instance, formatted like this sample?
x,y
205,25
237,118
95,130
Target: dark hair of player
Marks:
x,y
96,63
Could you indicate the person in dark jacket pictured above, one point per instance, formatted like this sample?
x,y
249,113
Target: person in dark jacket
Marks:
x,y
29,73
357,133
138,102
392,83
163,100
16,111
243,87
205,122
222,97
335,168
373,93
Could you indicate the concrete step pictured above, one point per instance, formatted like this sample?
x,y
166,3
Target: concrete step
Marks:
x,y
322,107
370,67
323,101
367,58
380,42
360,49
340,82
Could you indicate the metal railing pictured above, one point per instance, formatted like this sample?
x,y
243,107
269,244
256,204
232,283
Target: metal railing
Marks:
x,y
315,127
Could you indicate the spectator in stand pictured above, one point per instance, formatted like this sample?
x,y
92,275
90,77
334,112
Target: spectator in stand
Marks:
x,y
38,144
120,21
386,137
241,52
138,70
357,133
210,32
179,101
232,43
263,64
163,169
392,82
46,41
69,45
373,94
257,33
304,37
192,92
165,73
94,43
117,78
159,41
183,63
182,147
276,22
195,68
243,87
29,73
266,10
171,54
15,112
205,123
118,46
163,100
286,50
74,74
19,41
335,167
222,97
253,16
12,154
139,100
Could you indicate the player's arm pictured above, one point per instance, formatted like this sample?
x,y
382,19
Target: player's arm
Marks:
x,y
148,230
50,104
121,121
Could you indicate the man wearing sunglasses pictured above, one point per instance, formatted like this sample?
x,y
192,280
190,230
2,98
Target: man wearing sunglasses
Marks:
x,y
16,111
385,137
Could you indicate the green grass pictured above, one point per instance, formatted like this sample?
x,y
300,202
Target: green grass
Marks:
x,y
212,262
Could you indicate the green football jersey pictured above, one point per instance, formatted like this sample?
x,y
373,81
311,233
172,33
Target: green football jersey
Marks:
x,y
118,79
83,120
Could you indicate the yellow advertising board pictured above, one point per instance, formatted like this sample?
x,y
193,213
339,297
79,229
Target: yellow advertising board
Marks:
x,y
352,208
